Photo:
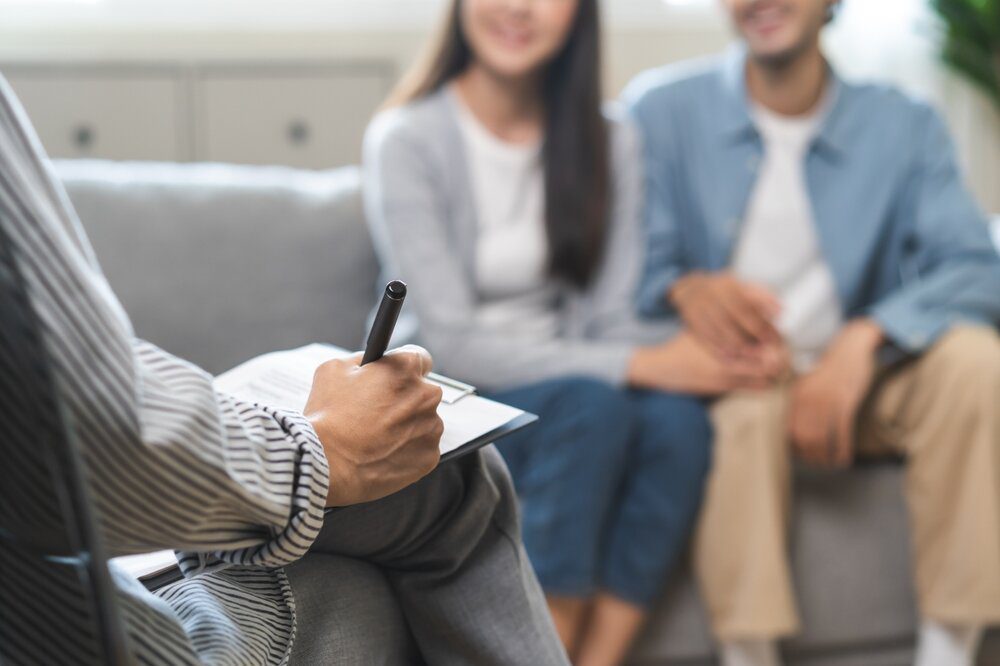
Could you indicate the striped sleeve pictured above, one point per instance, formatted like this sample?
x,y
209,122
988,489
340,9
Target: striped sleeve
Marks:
x,y
171,463
257,480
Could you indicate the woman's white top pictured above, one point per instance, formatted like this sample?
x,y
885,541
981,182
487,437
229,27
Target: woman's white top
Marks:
x,y
512,250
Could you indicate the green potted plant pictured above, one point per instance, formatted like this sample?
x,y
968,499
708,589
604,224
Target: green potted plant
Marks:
x,y
972,41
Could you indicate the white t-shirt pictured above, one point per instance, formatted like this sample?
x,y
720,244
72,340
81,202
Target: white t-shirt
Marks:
x,y
778,246
512,250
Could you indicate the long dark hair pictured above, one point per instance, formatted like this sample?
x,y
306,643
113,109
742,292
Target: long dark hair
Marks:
x,y
575,151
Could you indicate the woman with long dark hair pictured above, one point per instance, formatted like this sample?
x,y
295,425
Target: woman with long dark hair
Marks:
x,y
498,187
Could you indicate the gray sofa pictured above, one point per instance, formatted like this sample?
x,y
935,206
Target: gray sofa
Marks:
x,y
218,263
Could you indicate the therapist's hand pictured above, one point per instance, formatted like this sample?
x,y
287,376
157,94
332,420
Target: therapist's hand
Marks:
x,y
685,364
378,424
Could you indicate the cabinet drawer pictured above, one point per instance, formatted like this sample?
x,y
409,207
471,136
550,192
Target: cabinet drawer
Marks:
x,y
88,113
311,119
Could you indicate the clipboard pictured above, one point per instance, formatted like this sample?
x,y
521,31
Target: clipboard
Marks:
x,y
454,392
283,380
525,420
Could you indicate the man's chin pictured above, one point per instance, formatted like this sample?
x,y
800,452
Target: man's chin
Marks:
x,y
776,57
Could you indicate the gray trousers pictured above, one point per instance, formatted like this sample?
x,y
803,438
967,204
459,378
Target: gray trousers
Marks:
x,y
435,573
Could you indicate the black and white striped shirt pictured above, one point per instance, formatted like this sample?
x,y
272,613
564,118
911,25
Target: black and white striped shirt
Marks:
x,y
237,489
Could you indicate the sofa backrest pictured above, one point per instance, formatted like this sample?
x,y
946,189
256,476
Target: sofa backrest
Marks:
x,y
218,263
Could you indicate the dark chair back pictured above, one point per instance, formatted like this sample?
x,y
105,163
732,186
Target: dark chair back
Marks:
x,y
57,601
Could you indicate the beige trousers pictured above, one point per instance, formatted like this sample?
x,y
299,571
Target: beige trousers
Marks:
x,y
942,412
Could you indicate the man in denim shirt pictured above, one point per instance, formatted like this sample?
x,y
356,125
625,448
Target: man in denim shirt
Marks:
x,y
793,215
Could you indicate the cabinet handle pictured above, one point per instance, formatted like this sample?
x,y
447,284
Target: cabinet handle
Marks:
x,y
83,136
298,132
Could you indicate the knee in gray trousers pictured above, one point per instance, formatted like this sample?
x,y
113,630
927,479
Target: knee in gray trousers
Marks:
x,y
450,552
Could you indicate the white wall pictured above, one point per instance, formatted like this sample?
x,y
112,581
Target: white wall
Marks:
x,y
893,40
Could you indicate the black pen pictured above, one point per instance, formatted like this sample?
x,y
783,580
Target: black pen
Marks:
x,y
385,321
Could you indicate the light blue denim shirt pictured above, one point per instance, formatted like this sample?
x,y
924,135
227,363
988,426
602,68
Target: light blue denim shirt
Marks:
x,y
903,237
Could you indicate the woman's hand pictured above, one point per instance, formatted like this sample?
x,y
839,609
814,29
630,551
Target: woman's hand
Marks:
x,y
378,424
686,365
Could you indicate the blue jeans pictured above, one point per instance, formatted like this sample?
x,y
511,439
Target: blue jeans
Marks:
x,y
610,480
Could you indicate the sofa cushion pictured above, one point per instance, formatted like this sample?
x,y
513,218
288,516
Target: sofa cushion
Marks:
x,y
218,263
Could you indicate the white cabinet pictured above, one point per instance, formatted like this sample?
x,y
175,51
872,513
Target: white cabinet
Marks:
x,y
307,115
111,112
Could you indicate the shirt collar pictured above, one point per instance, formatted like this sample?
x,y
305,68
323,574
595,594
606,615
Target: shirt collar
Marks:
x,y
738,124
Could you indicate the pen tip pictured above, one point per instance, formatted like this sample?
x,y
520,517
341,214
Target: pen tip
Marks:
x,y
396,289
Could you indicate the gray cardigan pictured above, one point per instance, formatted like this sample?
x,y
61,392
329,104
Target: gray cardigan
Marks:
x,y
419,204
